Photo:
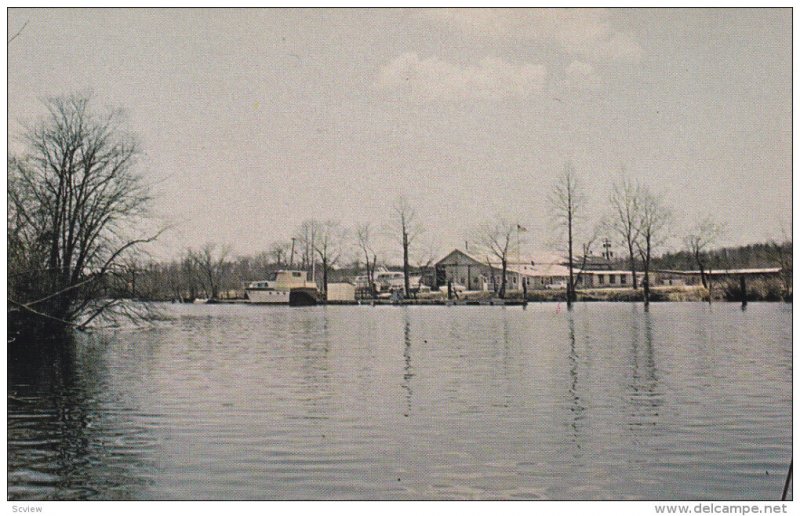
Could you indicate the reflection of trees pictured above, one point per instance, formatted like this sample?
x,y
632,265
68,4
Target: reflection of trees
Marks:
x,y
577,406
645,395
61,439
407,368
315,367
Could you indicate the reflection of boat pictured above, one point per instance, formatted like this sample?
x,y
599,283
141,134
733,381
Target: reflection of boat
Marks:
x,y
283,288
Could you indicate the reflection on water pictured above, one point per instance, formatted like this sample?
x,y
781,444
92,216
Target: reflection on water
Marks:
x,y
605,401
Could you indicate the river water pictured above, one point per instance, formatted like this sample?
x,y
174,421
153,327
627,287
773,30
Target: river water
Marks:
x,y
228,402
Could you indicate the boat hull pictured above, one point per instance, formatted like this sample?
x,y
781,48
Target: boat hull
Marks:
x,y
268,297
294,297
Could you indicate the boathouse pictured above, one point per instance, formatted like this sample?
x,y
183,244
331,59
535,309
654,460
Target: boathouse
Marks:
x,y
485,273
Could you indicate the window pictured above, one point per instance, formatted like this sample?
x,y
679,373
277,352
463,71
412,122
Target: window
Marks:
x,y
601,279
296,274
623,279
612,279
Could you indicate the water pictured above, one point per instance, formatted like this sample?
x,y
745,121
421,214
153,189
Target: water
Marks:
x,y
685,401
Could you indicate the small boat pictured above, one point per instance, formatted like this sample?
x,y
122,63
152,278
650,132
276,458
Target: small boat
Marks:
x,y
284,287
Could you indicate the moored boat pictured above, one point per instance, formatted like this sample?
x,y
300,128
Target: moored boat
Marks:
x,y
283,287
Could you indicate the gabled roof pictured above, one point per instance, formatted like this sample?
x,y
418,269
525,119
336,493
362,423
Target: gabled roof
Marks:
x,y
535,260
541,270
456,253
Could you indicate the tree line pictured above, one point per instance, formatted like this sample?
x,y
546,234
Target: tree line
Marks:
x,y
78,209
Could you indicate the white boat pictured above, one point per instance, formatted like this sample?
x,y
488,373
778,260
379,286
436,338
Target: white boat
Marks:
x,y
388,282
282,288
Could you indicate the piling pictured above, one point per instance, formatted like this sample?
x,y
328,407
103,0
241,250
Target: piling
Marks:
x,y
788,479
743,285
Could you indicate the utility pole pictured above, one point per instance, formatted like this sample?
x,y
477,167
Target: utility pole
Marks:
x,y
291,256
607,249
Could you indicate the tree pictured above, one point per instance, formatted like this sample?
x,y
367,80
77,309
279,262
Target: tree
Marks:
x,y
279,251
305,236
325,241
778,252
210,261
425,258
407,228
328,244
652,224
567,202
625,217
75,205
364,236
701,237
496,239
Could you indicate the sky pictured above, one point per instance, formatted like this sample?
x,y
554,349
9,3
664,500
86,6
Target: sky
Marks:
x,y
252,121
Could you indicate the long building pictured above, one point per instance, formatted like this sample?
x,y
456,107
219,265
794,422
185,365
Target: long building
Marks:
x,y
542,271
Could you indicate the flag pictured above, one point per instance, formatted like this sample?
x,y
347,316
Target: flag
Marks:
x,y
521,229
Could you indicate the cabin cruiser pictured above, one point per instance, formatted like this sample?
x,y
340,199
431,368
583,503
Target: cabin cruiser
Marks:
x,y
283,287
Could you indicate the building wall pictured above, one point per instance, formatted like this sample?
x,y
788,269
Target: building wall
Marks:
x,y
608,279
341,292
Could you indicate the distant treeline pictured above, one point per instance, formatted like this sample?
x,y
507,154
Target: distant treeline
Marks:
x,y
210,273
767,254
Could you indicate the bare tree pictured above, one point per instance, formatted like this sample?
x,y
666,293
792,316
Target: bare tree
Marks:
x,y
652,226
279,252
364,237
779,252
567,202
75,201
625,218
210,262
701,237
329,242
496,239
407,228
424,259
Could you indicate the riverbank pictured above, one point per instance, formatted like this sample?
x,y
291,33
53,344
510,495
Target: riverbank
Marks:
x,y
658,294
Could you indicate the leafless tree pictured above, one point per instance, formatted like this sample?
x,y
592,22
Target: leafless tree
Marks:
x,y
425,257
329,243
567,202
653,223
75,204
279,252
496,239
702,235
364,238
210,261
625,217
406,227
779,252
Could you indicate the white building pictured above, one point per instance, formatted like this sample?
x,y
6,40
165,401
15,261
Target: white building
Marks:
x,y
542,271
476,273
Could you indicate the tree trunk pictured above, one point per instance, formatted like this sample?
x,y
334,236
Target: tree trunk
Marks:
x,y
647,273
503,280
325,276
405,265
702,269
571,284
632,265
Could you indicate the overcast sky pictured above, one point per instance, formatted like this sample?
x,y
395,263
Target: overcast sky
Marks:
x,y
254,120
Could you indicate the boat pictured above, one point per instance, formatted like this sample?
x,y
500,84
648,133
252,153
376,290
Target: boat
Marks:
x,y
284,287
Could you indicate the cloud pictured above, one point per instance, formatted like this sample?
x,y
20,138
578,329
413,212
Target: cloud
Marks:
x,y
584,33
582,75
435,79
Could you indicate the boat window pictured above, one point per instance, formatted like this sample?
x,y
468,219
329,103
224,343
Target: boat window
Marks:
x,y
296,274
273,276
